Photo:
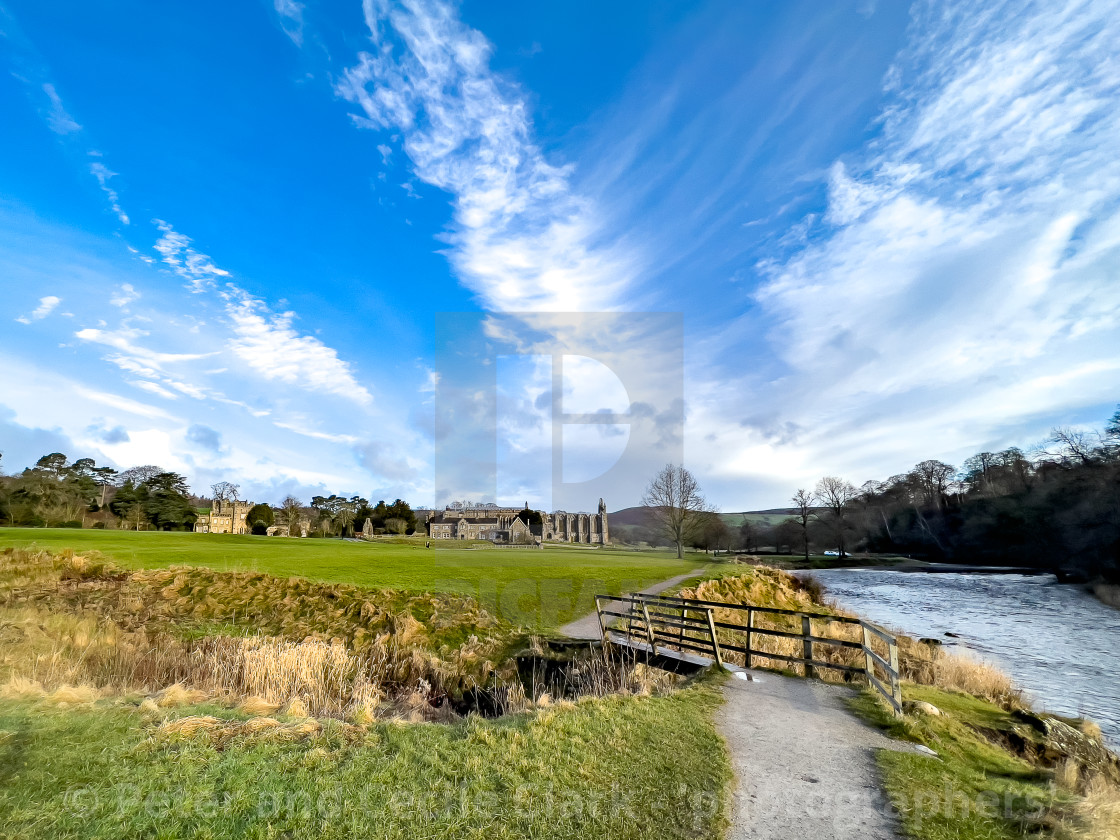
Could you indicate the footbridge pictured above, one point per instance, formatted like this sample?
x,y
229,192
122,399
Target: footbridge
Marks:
x,y
686,634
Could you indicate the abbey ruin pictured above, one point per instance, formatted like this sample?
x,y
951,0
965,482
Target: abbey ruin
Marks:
x,y
509,525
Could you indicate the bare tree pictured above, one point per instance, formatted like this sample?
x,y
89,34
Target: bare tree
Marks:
x,y
1075,445
225,491
290,508
138,475
836,496
803,507
933,477
675,505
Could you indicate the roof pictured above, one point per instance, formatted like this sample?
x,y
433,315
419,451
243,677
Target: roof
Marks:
x,y
470,520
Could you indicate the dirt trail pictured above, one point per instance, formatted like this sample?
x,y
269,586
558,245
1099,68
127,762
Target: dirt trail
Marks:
x,y
588,626
804,765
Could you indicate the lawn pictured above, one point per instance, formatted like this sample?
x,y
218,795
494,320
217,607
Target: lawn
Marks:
x,y
618,767
535,588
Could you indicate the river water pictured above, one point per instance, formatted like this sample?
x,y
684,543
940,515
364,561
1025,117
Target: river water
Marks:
x,y
1059,644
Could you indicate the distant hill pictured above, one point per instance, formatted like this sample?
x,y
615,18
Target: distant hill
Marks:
x,y
628,516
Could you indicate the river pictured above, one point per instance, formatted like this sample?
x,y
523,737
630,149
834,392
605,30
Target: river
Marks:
x,y
1059,644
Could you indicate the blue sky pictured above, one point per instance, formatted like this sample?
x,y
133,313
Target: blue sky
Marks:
x,y
892,231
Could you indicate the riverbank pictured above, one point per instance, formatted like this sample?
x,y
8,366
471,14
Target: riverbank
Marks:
x,y
894,563
1107,593
1055,640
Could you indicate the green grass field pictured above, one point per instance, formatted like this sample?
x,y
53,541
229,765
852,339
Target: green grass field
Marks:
x,y
620,767
535,588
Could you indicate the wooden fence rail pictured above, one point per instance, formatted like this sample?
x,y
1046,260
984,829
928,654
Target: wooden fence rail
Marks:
x,y
668,625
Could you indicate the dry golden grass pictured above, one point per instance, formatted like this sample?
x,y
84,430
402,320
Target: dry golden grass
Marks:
x,y
254,705
178,695
1095,812
21,688
188,726
67,620
1097,815
72,621
74,695
219,732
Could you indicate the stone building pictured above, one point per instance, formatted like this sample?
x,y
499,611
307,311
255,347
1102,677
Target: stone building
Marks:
x,y
505,525
562,526
303,528
226,516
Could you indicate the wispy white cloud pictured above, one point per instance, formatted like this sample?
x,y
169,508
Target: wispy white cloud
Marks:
x,y
268,343
153,388
57,117
32,71
522,238
126,338
175,248
291,19
46,307
985,217
124,295
967,258
161,372
315,433
101,172
117,402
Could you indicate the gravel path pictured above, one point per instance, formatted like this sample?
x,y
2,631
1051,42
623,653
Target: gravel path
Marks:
x,y
804,765
588,626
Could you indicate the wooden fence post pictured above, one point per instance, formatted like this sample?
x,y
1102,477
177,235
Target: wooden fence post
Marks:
x,y
680,635
748,658
896,676
868,662
715,640
807,645
649,630
599,613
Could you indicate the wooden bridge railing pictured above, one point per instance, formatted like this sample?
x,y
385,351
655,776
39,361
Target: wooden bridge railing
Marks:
x,y
667,624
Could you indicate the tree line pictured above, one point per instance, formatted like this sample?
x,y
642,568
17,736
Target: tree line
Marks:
x,y
60,493
1056,508
56,492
